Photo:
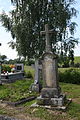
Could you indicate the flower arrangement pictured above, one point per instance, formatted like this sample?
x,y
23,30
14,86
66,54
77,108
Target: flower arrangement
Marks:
x,y
7,68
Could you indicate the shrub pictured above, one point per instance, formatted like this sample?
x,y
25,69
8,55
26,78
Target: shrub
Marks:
x,y
71,75
29,74
77,65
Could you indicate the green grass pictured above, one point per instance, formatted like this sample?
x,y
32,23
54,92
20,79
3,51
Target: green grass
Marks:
x,y
19,89
16,91
29,68
77,59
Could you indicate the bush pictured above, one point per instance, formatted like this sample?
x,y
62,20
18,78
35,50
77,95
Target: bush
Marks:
x,y
71,75
77,65
30,62
29,74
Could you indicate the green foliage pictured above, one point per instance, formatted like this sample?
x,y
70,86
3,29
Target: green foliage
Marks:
x,y
71,75
29,68
3,57
30,62
29,74
28,19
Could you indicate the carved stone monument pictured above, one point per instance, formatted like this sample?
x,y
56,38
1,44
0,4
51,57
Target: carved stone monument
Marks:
x,y
35,85
51,92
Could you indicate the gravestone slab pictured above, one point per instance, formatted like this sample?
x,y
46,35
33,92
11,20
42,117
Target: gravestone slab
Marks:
x,y
19,67
36,85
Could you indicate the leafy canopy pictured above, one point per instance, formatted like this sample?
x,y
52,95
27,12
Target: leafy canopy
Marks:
x,y
28,18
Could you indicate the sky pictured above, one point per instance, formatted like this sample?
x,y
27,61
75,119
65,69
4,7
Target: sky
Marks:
x,y
5,36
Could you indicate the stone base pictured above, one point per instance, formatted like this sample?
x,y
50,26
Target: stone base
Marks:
x,y
50,92
63,108
59,101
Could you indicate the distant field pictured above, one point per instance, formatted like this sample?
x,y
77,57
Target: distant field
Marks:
x,y
77,59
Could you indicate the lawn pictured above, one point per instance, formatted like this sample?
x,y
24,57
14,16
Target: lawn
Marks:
x,y
77,59
20,89
72,113
16,91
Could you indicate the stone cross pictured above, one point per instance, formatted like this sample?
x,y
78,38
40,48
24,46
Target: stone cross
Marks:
x,y
36,85
46,33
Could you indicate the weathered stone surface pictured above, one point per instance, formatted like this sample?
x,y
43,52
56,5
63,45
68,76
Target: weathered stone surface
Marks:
x,y
50,92
60,101
50,70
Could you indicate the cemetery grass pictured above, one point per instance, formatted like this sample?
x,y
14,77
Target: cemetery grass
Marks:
x,y
15,91
72,113
19,90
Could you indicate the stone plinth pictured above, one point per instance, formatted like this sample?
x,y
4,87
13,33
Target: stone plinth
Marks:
x,y
60,101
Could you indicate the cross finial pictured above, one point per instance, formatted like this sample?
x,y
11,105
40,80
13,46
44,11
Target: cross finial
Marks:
x,y
47,32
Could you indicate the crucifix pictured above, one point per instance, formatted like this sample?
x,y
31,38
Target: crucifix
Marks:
x,y
46,33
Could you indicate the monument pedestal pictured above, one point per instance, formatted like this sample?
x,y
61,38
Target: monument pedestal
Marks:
x,y
53,102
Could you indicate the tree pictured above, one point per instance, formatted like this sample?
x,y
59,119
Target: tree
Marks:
x,y
28,19
3,57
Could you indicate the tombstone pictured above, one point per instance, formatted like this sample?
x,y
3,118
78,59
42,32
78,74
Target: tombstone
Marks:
x,y
51,92
19,67
36,85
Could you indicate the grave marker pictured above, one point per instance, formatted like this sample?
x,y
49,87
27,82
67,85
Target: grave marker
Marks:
x,y
36,85
51,92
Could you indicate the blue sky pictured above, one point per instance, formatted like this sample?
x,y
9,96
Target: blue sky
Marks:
x,y
5,37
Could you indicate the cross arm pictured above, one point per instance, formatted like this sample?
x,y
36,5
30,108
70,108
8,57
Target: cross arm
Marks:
x,y
42,33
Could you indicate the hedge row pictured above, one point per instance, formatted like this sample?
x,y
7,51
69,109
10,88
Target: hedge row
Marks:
x,y
71,75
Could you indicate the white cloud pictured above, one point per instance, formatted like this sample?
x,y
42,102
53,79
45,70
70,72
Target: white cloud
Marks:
x,y
6,50
77,50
